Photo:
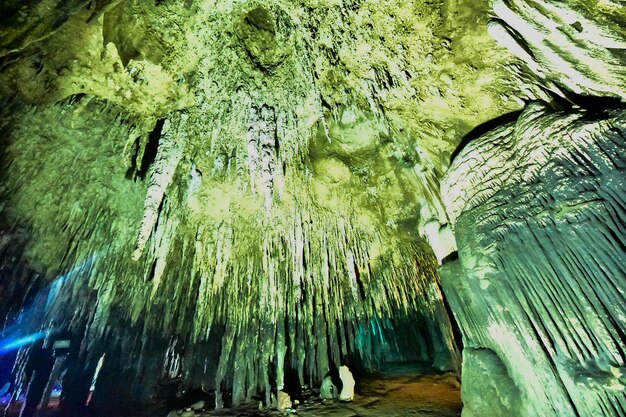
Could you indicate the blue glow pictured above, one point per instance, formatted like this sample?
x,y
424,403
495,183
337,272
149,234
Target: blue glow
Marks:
x,y
31,317
69,278
8,345
57,390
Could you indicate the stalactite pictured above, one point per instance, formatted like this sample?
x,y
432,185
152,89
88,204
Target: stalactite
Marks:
x,y
262,151
171,145
292,287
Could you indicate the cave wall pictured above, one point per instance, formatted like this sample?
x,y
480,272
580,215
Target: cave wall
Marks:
x,y
538,207
536,202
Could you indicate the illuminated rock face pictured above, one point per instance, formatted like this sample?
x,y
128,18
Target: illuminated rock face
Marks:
x,y
570,46
539,210
537,207
224,192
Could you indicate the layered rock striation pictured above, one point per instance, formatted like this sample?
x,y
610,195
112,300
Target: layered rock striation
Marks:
x,y
538,209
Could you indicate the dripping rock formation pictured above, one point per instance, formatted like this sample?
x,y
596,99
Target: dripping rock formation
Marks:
x,y
243,199
537,206
538,287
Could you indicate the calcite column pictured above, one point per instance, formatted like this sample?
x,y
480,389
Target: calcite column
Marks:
x,y
538,207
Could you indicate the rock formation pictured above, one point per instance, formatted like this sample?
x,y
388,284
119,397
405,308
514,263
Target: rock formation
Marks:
x,y
538,287
537,206
568,46
328,390
219,194
347,384
283,401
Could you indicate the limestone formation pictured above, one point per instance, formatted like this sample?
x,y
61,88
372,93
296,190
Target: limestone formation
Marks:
x,y
537,207
283,401
538,289
347,384
169,154
227,180
237,197
328,390
569,45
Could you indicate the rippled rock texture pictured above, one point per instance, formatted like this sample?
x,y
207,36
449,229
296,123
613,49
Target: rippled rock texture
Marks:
x,y
571,47
539,211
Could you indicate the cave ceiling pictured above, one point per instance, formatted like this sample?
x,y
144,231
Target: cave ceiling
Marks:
x,y
331,109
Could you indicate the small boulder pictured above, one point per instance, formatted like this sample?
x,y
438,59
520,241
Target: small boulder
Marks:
x,y
328,390
284,401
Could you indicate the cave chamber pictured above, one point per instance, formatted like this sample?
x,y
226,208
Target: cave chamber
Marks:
x,y
247,205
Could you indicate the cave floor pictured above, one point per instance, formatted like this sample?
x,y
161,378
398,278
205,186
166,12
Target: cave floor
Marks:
x,y
398,392
398,395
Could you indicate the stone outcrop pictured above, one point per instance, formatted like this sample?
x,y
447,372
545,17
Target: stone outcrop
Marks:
x,y
538,207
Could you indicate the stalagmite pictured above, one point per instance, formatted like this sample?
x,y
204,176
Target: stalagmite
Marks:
x,y
283,401
347,384
328,390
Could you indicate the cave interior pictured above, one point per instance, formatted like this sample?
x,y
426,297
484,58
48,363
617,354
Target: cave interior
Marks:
x,y
313,207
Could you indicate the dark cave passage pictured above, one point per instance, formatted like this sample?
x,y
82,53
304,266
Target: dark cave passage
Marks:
x,y
381,356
